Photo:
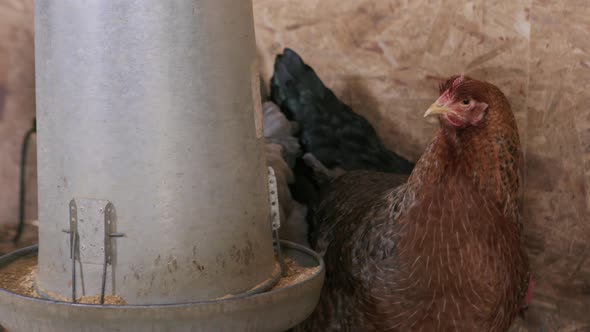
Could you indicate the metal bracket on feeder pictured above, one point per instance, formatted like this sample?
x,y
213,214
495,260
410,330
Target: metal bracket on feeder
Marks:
x,y
275,216
92,223
73,232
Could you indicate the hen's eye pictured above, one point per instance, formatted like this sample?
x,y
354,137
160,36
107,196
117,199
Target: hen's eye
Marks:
x,y
465,101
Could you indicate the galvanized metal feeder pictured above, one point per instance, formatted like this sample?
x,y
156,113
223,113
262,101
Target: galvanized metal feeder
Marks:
x,y
152,179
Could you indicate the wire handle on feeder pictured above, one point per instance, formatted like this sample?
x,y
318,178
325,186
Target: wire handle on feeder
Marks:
x,y
23,163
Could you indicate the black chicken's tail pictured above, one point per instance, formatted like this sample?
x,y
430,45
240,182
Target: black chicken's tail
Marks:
x,y
330,132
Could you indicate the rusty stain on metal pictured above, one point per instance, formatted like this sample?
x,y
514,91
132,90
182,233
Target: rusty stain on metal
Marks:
x,y
244,255
198,266
172,264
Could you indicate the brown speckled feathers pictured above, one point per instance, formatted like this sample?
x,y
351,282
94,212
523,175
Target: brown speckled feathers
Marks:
x,y
440,252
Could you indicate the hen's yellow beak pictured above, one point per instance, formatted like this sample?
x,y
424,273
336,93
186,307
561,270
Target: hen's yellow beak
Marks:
x,y
435,109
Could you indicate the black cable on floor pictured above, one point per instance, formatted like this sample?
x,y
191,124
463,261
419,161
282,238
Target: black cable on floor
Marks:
x,y
23,163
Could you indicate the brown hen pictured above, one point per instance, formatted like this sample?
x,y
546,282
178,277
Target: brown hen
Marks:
x,y
440,250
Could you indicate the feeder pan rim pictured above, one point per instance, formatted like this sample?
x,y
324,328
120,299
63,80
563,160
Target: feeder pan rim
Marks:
x,y
19,253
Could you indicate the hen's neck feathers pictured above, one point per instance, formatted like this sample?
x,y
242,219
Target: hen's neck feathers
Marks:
x,y
488,154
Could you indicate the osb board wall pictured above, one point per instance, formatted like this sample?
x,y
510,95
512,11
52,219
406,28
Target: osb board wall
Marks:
x,y
17,106
384,58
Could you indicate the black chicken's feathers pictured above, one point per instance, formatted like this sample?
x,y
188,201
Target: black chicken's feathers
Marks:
x,y
329,129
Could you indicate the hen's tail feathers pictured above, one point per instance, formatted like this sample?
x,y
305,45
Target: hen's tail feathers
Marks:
x,y
329,129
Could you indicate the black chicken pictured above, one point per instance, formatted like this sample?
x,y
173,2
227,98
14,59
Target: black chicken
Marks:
x,y
330,130
333,137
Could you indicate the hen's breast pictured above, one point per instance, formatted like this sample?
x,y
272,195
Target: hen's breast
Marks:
x,y
457,263
446,259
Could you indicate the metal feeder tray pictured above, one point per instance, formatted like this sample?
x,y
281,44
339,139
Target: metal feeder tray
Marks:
x,y
276,310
